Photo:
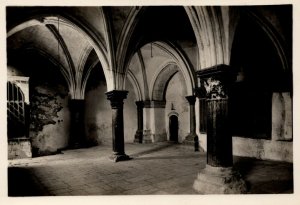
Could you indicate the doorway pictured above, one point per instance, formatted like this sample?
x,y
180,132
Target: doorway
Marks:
x,y
173,128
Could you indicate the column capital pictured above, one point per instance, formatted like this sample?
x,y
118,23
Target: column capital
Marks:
x,y
216,80
191,99
139,104
116,98
75,103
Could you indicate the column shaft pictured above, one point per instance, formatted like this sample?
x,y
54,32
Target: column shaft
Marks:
x,y
219,140
139,132
192,138
116,98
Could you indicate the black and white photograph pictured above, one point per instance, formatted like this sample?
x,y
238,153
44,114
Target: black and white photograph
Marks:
x,y
155,100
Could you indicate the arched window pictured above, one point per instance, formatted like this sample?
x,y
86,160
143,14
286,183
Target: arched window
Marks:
x,y
15,111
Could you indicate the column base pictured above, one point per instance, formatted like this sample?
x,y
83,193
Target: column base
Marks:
x,y
119,157
147,137
138,137
192,140
219,180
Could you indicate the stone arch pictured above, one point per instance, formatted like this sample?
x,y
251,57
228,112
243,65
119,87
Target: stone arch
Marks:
x,y
96,43
136,86
54,61
124,54
273,35
125,36
161,80
183,64
209,31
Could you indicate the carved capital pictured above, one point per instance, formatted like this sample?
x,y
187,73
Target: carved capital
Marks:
x,y
116,98
216,81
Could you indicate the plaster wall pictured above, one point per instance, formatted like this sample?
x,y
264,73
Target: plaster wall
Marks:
x,y
50,120
263,149
157,124
49,116
258,148
280,147
98,116
282,124
130,114
175,95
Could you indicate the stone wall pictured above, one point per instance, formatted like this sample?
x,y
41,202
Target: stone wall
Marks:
x,y
19,148
175,94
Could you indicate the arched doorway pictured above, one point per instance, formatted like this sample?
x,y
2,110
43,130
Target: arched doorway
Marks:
x,y
173,128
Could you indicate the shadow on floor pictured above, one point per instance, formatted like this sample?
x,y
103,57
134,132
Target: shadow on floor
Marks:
x,y
261,176
167,157
21,182
265,177
161,147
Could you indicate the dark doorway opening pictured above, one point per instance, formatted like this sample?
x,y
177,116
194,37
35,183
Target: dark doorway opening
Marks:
x,y
173,128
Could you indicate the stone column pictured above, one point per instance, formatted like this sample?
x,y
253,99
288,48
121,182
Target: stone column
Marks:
x,y
192,138
77,135
218,176
116,98
138,138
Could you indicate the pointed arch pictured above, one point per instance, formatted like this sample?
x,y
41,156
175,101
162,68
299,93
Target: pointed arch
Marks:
x,y
184,65
68,20
122,47
208,26
161,80
274,37
136,86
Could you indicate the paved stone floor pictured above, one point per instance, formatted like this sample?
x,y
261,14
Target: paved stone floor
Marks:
x,y
160,168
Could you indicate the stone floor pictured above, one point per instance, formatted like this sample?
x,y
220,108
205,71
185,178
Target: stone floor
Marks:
x,y
160,168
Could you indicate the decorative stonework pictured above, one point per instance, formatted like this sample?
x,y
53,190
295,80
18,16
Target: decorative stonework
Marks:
x,y
218,176
214,88
216,81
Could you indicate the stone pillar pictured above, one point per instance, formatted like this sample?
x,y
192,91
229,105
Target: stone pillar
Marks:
x,y
138,138
218,176
77,136
192,138
155,130
116,98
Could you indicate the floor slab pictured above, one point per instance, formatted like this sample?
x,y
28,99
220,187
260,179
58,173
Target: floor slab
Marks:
x,y
159,168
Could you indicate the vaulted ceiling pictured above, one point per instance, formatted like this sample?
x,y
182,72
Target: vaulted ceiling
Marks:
x,y
77,38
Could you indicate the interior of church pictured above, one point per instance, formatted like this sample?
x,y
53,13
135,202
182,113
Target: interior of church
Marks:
x,y
212,85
